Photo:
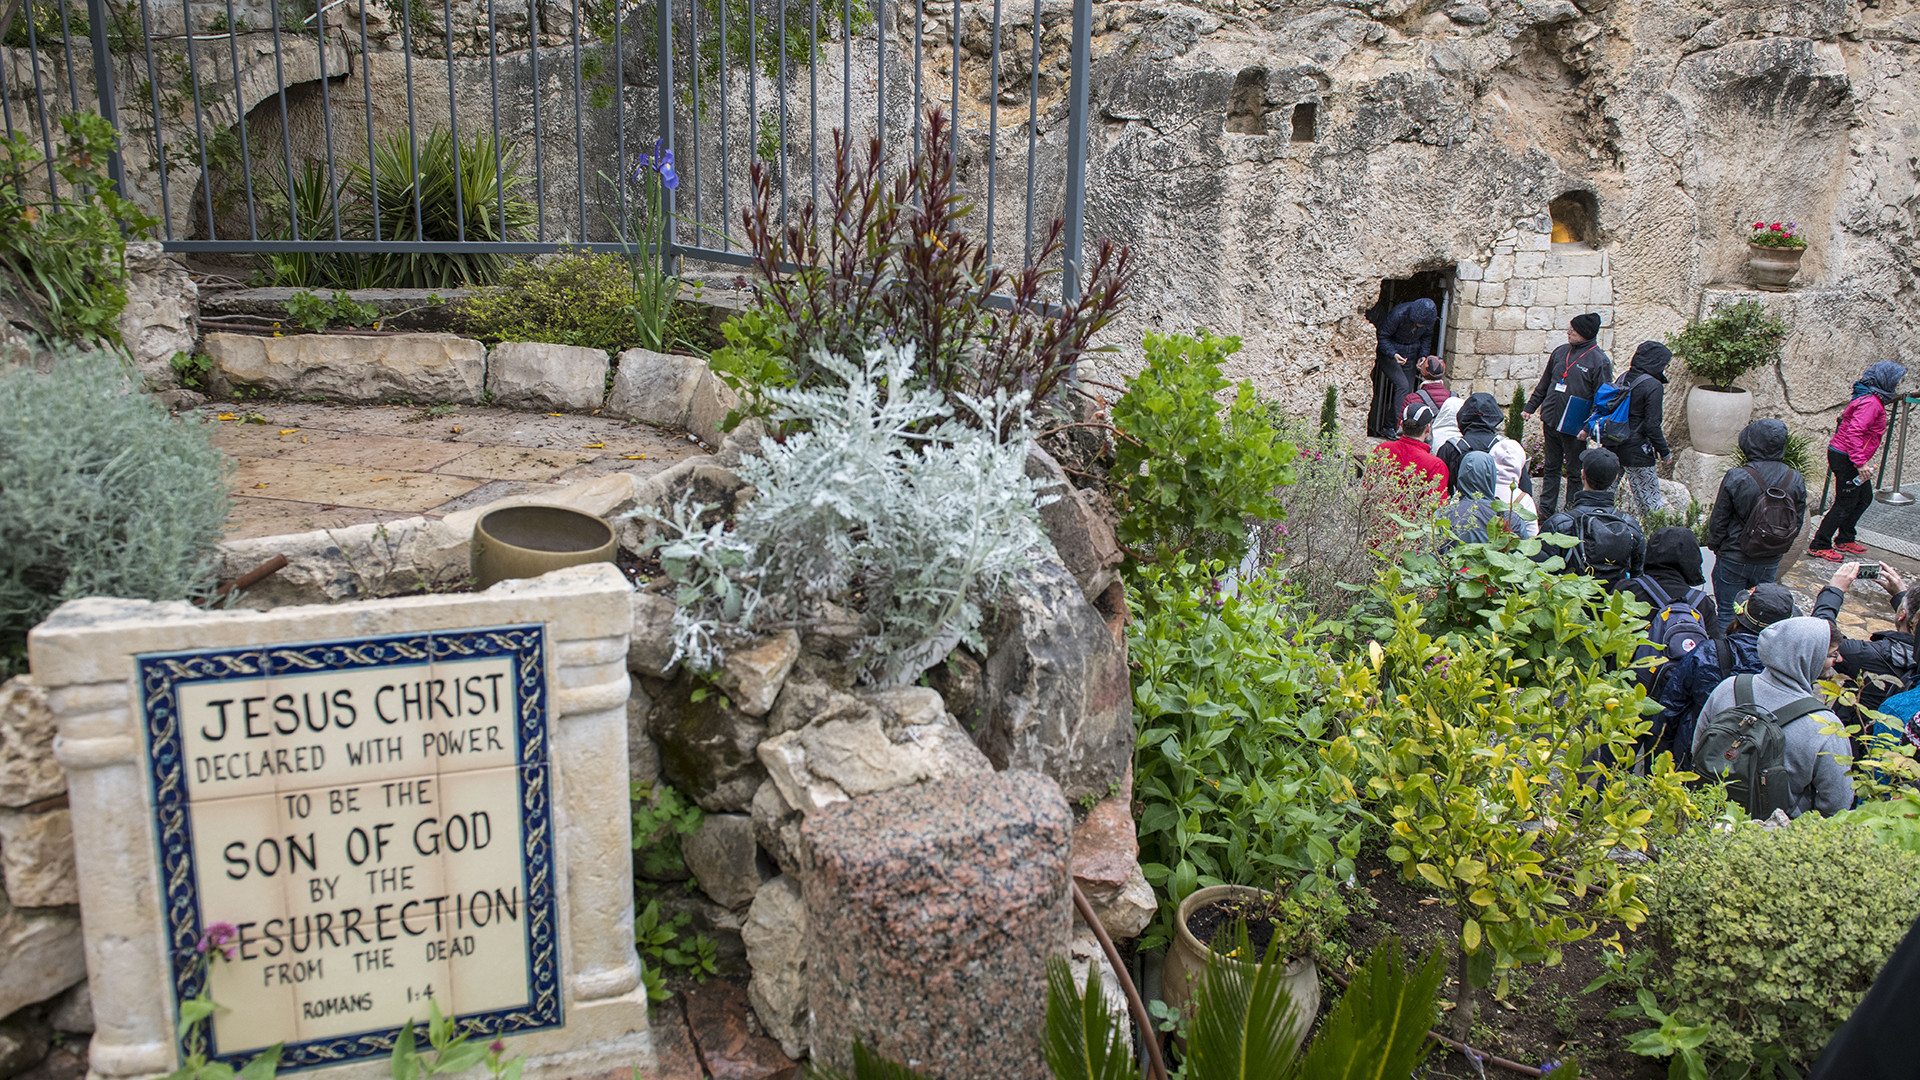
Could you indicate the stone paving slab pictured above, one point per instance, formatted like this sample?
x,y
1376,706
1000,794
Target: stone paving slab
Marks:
x,y
313,465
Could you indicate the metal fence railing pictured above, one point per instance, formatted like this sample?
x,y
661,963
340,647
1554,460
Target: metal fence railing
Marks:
x,y
316,129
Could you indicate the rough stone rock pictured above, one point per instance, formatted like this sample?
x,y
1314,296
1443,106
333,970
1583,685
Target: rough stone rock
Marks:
x,y
73,1012
1080,532
44,955
701,481
674,1055
725,860
1129,912
650,643
804,701
422,367
826,763
719,923
1057,698
24,1040
643,756
776,938
671,391
1105,849
753,676
162,316
178,400
538,375
1700,474
36,852
776,827
28,771
707,747
1084,953
1677,496
905,889
729,1048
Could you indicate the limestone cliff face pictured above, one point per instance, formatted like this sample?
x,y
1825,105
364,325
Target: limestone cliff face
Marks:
x,y
1441,135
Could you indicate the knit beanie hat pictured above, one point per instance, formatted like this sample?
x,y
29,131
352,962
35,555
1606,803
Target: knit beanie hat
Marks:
x,y
1586,325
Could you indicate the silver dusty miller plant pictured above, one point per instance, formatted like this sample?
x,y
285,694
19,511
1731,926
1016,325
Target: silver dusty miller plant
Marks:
x,y
880,493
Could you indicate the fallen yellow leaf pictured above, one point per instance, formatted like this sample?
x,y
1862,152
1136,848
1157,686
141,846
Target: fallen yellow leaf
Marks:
x,y
456,429
288,431
553,414
633,457
227,416
596,446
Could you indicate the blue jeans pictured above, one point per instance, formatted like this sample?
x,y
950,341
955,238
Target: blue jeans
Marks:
x,y
1732,575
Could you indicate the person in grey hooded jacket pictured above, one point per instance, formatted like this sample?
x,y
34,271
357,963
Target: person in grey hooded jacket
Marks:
x,y
1471,513
1796,652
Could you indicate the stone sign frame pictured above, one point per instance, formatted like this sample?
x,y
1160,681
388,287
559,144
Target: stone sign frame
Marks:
x,y
161,673
88,656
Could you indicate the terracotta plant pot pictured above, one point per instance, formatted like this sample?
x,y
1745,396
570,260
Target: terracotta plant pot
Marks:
x,y
1772,268
1187,961
527,541
1715,417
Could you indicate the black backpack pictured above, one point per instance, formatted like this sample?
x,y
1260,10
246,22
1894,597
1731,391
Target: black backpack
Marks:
x,y
1771,525
1607,542
1745,748
1674,629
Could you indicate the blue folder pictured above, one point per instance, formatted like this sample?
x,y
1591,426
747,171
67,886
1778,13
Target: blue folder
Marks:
x,y
1575,418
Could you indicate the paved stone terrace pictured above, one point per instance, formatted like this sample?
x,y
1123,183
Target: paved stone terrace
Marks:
x,y
316,466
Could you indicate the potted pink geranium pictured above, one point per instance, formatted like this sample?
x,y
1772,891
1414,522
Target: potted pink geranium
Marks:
x,y
1773,254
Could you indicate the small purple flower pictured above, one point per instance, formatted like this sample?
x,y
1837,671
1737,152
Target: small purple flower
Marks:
x,y
498,1046
217,937
660,162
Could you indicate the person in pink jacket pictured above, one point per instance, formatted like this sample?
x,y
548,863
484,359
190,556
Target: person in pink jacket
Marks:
x,y
1862,426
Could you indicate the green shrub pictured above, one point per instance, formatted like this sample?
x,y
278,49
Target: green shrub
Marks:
x,y
1735,340
481,185
1237,767
1185,479
64,256
1516,415
575,298
101,493
1330,415
1776,934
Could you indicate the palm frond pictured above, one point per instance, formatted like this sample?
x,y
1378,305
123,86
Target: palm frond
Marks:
x,y
867,1065
1243,1027
1081,1041
1379,1029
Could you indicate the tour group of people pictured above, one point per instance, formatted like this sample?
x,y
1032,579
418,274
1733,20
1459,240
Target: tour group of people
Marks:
x,y
1723,652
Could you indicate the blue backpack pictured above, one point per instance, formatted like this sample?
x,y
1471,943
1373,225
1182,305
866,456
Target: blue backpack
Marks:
x,y
1609,418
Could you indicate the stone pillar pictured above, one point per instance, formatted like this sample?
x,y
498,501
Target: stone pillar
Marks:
x,y
933,911
1701,474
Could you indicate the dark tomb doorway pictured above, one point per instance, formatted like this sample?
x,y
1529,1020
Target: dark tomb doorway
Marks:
x,y
1434,285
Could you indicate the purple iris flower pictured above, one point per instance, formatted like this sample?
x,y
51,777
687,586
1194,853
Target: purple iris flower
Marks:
x,y
661,162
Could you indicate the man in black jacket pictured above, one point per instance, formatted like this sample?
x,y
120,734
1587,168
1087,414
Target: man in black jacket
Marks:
x,y
1480,421
1646,442
1764,442
1886,663
1405,336
1575,370
1612,545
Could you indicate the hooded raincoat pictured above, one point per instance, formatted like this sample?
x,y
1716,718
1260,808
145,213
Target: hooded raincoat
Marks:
x,y
1764,442
1470,513
1479,424
1674,565
1864,421
1646,379
1407,331
1510,465
1794,652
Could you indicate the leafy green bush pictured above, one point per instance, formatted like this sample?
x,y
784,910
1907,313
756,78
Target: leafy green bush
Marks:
x,y
482,185
1330,416
1517,415
1893,821
1735,340
316,313
1238,767
64,256
574,298
1776,934
101,494
1184,479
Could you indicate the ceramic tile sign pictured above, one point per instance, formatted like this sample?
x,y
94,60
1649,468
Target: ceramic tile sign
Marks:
x,y
372,816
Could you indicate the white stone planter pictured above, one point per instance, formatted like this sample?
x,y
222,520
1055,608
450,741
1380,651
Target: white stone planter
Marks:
x,y
1715,417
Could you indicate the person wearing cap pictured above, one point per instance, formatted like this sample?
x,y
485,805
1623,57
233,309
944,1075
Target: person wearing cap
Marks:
x,y
1431,390
1753,611
1885,663
1671,573
1409,451
1599,471
1577,369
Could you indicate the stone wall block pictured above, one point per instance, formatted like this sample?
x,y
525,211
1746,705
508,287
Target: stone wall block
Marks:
x,y
1510,318
36,855
650,644
1078,524
543,376
725,860
1540,318
753,676
670,391
1468,271
775,934
1529,264
44,955
1492,294
420,367
707,747
162,316
28,771
931,913
1578,290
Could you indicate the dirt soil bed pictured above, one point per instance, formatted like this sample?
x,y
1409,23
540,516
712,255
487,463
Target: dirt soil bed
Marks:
x,y
1544,1017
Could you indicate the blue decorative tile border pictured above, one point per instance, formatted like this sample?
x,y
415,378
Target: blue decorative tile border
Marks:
x,y
161,674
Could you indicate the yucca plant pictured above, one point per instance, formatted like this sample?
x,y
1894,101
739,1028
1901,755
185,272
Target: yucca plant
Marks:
x,y
315,201
473,185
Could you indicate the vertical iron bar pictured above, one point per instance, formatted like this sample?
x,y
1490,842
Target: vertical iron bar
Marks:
x,y
453,131
539,151
953,113
413,131
286,131
579,124
104,90
693,64
780,89
993,124
726,147
619,123
66,49
668,258
813,112
753,87
919,16
493,86
1077,147
240,120
326,109
6,97
1033,131
880,80
40,101
846,70
366,97
199,123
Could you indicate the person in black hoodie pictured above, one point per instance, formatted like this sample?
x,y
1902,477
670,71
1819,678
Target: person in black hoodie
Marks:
x,y
1886,663
1764,442
1646,443
1575,370
1406,336
1672,571
1481,422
